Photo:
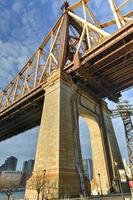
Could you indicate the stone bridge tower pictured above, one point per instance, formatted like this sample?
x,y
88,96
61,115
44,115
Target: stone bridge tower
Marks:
x,y
58,150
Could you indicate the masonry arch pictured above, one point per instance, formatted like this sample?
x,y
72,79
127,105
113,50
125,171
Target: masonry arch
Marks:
x,y
86,149
98,152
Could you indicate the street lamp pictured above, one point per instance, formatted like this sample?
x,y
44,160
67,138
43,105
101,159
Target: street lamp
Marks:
x,y
99,176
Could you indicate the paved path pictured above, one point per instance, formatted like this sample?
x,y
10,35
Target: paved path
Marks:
x,y
113,197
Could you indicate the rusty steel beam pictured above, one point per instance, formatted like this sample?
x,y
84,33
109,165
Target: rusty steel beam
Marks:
x,y
63,42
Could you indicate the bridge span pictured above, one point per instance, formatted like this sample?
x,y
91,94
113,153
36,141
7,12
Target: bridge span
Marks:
x,y
77,65
106,70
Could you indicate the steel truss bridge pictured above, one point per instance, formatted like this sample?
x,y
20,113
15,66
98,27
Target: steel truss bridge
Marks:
x,y
79,45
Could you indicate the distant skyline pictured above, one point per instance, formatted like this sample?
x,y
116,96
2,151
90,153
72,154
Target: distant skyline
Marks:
x,y
23,25
22,146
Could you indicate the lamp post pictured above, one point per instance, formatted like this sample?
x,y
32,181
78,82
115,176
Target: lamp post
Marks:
x,y
99,176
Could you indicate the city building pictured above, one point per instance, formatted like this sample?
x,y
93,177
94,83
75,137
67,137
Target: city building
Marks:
x,y
87,166
11,177
27,170
10,164
30,166
90,169
25,165
2,167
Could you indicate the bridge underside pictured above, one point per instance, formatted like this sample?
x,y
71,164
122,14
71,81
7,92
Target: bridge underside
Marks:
x,y
25,115
107,69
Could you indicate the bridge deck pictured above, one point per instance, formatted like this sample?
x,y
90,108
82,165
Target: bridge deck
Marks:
x,y
23,115
107,69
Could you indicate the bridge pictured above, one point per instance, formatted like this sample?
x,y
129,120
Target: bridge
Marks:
x,y
105,66
79,51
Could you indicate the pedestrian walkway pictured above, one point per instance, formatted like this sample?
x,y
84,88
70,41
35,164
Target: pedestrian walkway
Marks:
x,y
111,197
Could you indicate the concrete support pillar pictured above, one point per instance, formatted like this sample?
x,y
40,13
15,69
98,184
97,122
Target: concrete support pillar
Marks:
x,y
56,145
58,151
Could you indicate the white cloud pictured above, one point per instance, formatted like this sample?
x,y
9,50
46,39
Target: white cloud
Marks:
x,y
17,6
22,41
13,56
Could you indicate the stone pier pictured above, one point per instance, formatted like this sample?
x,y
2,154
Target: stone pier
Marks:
x,y
58,150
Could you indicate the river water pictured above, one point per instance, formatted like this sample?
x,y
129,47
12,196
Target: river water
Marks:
x,y
16,195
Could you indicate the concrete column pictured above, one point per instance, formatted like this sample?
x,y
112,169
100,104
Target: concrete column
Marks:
x,y
56,146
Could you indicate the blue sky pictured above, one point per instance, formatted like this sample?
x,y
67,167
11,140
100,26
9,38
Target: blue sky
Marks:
x,y
23,25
